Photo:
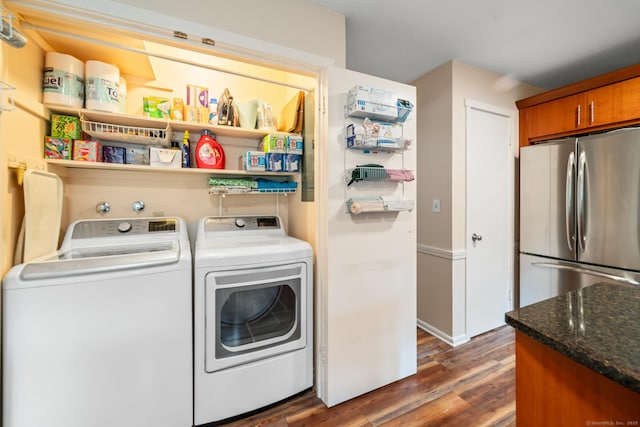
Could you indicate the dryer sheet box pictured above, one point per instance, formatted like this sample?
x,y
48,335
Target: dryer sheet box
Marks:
x,y
292,162
253,161
274,162
294,144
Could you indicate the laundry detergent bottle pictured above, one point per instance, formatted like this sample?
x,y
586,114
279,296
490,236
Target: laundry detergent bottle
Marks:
x,y
209,154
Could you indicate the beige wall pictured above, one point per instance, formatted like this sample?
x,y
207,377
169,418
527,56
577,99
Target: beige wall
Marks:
x,y
300,25
442,93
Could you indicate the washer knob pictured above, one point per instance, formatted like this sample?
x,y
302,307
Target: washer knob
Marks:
x,y
124,227
240,223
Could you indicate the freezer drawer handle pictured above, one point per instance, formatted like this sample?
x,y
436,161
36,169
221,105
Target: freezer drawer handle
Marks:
x,y
587,271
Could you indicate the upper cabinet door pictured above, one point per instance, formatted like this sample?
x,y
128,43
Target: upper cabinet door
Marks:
x,y
556,117
614,103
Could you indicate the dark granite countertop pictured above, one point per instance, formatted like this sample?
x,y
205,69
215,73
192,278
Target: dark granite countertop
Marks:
x,y
597,326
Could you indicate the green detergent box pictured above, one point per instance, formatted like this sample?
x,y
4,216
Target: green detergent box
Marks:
x,y
273,143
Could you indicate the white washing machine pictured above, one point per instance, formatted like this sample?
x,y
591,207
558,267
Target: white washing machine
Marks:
x,y
101,334
253,316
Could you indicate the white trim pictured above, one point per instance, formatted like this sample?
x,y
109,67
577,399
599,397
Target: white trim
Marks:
x,y
481,106
442,253
452,341
511,115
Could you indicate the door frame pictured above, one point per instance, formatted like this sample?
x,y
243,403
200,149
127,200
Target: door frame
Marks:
x,y
511,116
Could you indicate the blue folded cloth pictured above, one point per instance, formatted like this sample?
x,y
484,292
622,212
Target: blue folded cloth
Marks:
x,y
268,184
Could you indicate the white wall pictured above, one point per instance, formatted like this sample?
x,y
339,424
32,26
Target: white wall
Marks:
x,y
442,174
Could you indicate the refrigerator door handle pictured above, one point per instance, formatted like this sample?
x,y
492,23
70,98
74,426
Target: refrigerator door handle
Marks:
x,y
581,196
569,205
587,271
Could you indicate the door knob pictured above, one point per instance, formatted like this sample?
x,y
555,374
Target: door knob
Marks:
x,y
476,237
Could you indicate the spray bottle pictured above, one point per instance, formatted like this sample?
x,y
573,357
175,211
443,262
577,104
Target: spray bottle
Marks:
x,y
209,154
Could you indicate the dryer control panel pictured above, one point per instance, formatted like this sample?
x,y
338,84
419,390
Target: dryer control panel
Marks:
x,y
248,223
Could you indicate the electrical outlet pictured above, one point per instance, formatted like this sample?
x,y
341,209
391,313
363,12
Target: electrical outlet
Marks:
x,y
436,206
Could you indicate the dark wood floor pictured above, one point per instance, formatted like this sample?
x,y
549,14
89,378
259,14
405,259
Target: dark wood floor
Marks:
x,y
470,385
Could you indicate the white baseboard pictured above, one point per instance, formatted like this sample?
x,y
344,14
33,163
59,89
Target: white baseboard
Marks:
x,y
452,341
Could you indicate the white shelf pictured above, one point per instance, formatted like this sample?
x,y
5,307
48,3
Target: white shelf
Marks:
x,y
75,164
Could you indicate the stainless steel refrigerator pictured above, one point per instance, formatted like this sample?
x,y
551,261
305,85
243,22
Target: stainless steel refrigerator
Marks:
x,y
579,206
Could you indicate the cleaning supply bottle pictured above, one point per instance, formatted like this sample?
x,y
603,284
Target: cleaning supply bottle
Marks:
x,y
209,154
213,111
186,155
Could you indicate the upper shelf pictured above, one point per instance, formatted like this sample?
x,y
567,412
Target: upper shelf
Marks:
x,y
130,120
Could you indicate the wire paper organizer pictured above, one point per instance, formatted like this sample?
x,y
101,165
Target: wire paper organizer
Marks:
x,y
378,173
131,134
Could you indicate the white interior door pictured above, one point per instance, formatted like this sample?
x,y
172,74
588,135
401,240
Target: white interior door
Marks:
x,y
489,216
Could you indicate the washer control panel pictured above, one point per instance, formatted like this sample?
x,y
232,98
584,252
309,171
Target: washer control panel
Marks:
x,y
248,223
117,227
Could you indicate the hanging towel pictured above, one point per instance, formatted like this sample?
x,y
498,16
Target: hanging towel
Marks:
x,y
400,175
270,184
40,229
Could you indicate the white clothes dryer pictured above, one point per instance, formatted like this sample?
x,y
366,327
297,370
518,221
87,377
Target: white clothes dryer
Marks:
x,y
253,316
101,334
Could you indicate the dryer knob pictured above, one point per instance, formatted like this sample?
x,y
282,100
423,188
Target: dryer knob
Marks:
x,y
124,227
240,223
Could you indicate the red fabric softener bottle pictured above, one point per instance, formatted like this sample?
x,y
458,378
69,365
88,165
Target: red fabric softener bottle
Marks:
x,y
209,154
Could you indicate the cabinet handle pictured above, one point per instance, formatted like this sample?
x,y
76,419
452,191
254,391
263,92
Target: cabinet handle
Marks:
x,y
579,115
592,112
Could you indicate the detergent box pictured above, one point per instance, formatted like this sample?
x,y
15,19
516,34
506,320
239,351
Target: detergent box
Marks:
x,y
294,144
253,161
274,162
273,143
291,162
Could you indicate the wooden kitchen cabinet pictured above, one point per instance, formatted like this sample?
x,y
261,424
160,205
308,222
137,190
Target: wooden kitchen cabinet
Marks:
x,y
603,102
614,103
554,117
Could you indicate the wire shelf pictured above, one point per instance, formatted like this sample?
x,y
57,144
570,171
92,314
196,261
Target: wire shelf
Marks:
x,y
131,134
374,173
223,190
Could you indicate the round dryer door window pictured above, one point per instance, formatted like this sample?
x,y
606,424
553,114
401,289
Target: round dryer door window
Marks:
x,y
256,314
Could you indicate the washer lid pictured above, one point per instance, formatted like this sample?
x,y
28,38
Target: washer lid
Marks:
x,y
102,259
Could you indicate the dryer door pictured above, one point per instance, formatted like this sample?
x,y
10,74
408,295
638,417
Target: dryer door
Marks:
x,y
254,313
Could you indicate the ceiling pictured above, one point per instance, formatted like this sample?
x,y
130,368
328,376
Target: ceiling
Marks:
x,y
546,43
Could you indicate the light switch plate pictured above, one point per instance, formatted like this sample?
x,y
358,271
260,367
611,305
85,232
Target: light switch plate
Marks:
x,y
436,205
